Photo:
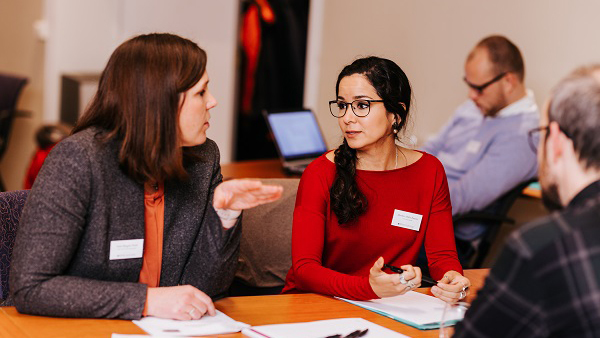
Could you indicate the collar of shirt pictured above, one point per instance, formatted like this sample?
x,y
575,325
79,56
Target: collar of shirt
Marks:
x,y
591,191
525,105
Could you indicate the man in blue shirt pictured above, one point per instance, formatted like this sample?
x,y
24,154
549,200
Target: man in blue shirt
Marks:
x,y
484,147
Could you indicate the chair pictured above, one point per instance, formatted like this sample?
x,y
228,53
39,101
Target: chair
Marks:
x,y
11,205
10,88
265,249
473,253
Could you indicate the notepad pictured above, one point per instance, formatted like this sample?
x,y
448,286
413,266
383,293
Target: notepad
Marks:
x,y
207,325
320,329
413,308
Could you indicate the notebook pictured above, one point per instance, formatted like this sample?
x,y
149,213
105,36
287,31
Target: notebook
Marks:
x,y
297,136
413,308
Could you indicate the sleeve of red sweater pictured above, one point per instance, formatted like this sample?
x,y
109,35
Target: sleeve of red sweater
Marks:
x,y
308,236
439,239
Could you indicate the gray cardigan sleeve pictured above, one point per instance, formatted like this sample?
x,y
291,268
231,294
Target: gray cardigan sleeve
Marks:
x,y
50,231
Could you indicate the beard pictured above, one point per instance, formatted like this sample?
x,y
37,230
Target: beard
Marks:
x,y
550,198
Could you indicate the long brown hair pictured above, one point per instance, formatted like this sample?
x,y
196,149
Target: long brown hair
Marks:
x,y
138,102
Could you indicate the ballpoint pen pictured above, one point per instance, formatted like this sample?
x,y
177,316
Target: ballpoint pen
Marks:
x,y
354,334
400,271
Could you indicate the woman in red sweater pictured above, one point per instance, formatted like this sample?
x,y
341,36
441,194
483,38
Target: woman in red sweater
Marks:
x,y
371,201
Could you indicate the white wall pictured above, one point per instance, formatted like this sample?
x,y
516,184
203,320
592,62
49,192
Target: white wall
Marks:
x,y
83,34
430,40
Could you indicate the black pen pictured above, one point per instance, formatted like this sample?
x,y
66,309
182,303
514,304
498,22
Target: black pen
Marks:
x,y
400,271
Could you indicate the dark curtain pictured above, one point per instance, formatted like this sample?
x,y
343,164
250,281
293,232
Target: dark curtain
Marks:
x,y
273,50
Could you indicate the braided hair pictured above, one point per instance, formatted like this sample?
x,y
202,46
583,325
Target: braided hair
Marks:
x,y
392,85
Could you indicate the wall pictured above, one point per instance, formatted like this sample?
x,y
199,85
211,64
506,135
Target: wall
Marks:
x,y
83,34
22,54
430,40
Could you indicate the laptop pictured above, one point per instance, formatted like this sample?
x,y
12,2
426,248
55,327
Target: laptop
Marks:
x,y
297,136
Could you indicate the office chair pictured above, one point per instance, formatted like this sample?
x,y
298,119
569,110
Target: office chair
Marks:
x,y
10,88
11,205
473,253
266,244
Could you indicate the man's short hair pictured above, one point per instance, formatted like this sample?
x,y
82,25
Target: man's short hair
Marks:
x,y
504,55
575,106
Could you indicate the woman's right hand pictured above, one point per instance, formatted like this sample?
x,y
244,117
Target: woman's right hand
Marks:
x,y
183,302
389,285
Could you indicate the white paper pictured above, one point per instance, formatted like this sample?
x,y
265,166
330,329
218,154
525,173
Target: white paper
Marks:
x,y
320,329
414,307
126,249
407,220
207,325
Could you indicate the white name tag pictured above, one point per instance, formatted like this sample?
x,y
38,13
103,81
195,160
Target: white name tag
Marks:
x,y
407,220
473,146
126,249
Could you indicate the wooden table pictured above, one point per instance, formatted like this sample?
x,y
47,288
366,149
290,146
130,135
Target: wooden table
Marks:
x,y
269,168
256,310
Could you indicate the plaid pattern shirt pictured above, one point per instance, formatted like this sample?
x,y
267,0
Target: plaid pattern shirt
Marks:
x,y
546,282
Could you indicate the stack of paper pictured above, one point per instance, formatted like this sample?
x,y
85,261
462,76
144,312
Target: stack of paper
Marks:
x,y
413,308
207,325
320,329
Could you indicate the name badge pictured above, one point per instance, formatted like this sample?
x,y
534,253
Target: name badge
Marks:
x,y
407,220
126,249
473,146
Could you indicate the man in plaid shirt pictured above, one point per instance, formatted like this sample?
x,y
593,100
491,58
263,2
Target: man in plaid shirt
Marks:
x,y
546,282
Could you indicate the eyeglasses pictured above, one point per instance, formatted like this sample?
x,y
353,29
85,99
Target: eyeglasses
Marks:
x,y
533,137
360,108
480,88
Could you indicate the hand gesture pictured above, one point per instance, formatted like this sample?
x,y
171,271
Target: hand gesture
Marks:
x,y
388,285
183,302
244,194
452,287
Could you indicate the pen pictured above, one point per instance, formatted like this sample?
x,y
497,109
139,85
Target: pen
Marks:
x,y
400,271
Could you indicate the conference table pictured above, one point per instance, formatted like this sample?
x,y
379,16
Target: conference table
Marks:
x,y
253,310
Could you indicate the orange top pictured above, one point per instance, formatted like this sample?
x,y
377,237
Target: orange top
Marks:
x,y
154,214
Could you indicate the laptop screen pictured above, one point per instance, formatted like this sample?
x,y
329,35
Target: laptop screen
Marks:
x,y
297,134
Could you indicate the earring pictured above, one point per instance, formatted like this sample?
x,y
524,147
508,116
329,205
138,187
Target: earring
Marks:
x,y
395,127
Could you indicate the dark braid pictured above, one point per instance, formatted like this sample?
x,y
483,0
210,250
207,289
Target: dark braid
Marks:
x,y
347,201
392,85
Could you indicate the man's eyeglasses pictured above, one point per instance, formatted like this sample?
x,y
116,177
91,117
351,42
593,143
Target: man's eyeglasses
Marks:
x,y
533,137
480,88
360,108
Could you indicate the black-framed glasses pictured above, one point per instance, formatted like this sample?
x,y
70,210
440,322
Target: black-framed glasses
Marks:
x,y
360,108
533,137
480,88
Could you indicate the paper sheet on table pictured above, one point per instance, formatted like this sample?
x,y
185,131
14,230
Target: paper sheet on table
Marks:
x,y
413,308
320,329
207,325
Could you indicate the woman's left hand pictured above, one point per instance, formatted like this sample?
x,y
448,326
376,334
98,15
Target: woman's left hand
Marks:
x,y
452,287
244,194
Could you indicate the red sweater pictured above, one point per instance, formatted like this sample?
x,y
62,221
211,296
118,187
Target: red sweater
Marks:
x,y
335,260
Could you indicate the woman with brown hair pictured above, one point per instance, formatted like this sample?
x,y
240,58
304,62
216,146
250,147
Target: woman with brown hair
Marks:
x,y
129,216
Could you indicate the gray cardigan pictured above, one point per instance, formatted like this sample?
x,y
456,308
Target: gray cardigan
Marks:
x,y
81,201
